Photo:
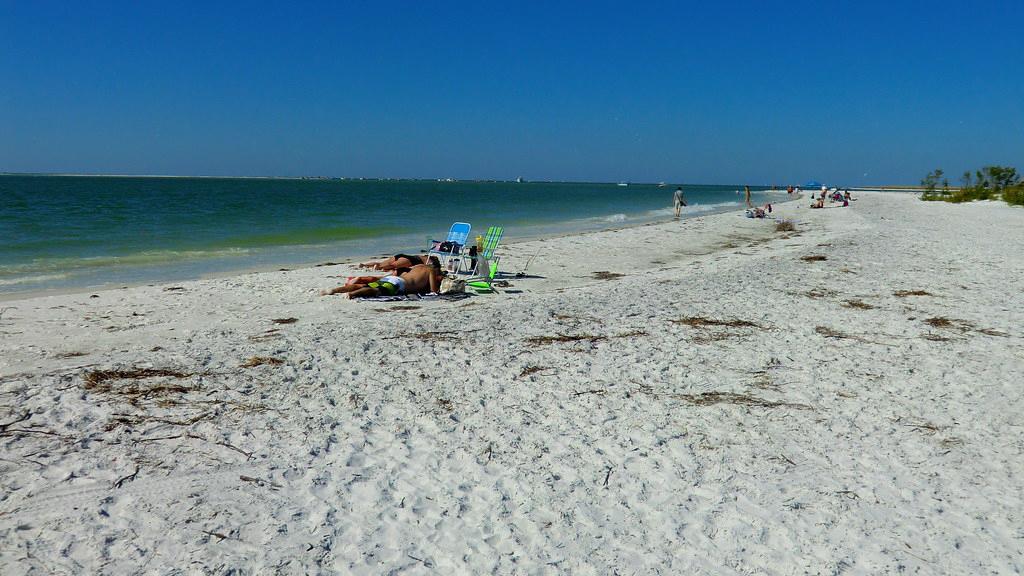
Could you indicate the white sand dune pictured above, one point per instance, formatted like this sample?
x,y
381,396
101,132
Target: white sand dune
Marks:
x,y
838,425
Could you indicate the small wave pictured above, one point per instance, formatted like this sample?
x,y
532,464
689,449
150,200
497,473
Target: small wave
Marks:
x,y
32,279
615,218
148,257
695,209
700,208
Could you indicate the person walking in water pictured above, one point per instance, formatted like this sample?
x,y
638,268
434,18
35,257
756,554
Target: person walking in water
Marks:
x,y
746,192
678,201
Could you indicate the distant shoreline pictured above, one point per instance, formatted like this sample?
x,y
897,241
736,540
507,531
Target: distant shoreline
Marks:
x,y
778,188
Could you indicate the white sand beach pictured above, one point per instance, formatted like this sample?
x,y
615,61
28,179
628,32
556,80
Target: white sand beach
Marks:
x,y
728,405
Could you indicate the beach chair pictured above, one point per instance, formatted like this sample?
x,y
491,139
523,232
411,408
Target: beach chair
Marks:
x,y
483,284
491,240
457,236
487,247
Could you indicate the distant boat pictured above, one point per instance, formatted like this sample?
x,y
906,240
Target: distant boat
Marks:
x,y
661,184
623,184
519,180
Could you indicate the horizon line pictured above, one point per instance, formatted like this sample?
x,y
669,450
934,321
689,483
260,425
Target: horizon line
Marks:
x,y
386,178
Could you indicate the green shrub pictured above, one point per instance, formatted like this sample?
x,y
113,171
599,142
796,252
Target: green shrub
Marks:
x,y
1014,195
990,183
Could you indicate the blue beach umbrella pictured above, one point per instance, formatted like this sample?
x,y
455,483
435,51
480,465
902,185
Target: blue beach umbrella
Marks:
x,y
812,184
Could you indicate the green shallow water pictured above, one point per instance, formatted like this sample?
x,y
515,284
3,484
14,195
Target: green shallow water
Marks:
x,y
71,231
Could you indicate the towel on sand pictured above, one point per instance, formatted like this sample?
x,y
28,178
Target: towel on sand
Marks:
x,y
404,297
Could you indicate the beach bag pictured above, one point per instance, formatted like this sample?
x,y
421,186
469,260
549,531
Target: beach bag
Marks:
x,y
452,285
447,247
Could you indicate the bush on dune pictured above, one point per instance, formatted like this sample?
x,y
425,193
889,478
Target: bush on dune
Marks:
x,y
989,183
1014,195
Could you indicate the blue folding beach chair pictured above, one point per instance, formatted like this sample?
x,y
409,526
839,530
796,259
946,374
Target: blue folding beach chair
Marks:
x,y
453,245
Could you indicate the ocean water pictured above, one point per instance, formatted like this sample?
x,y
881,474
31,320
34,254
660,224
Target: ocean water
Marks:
x,y
61,232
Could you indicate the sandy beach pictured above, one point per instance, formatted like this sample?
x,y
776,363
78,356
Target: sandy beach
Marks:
x,y
709,396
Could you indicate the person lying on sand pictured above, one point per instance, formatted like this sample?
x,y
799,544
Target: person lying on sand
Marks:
x,y
760,212
819,203
395,262
419,279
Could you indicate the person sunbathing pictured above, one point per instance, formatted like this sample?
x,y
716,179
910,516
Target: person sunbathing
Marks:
x,y
819,203
419,279
760,212
395,262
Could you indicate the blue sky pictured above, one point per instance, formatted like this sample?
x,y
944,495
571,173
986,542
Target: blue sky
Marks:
x,y
843,92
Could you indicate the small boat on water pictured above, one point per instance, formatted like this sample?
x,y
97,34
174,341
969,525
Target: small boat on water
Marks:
x,y
623,184
661,184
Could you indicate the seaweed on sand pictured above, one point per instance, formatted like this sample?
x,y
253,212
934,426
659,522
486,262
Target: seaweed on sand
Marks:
x,y
905,293
940,322
565,338
260,361
266,335
712,398
814,258
530,370
830,333
702,321
102,382
96,379
432,335
581,337
708,336
818,293
859,304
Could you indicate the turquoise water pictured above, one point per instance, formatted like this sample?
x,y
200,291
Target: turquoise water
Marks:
x,y
59,232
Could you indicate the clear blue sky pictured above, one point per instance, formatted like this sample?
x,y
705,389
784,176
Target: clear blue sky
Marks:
x,y
842,92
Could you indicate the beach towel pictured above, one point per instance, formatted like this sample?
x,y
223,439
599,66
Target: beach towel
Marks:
x,y
408,297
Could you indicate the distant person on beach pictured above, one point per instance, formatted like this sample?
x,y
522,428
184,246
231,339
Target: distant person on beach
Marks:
x,y
420,279
760,212
395,262
678,201
746,192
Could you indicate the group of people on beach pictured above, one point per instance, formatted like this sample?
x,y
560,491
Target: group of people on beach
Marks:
x,y
833,196
407,274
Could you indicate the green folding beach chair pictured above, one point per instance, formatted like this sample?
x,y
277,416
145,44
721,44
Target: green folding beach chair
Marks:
x,y
483,284
488,245
487,262
491,240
